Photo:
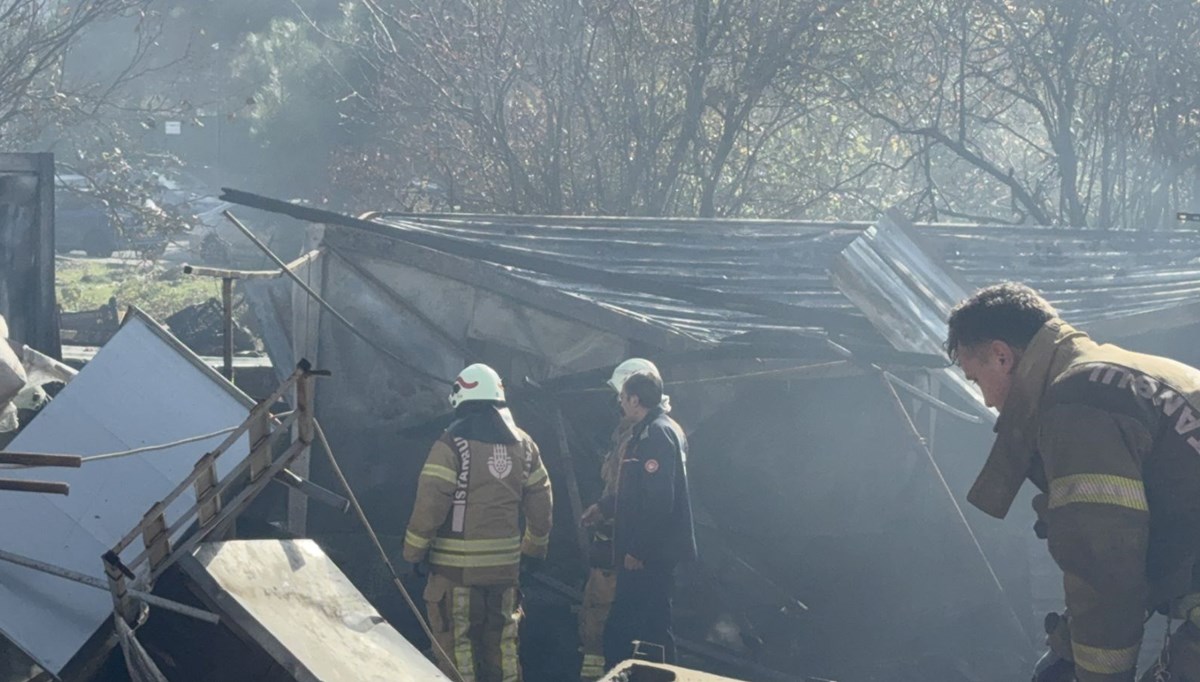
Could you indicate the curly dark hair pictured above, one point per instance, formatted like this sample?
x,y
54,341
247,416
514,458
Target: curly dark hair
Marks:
x,y
1010,312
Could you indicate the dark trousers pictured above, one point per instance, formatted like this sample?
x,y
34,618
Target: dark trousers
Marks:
x,y
641,611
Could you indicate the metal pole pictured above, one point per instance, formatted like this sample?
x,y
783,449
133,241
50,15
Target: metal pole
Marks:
x,y
329,308
227,301
99,584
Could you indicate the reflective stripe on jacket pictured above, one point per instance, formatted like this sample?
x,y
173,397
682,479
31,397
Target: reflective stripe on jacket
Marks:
x,y
467,515
1112,438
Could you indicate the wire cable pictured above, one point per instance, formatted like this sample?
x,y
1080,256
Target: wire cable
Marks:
x,y
362,517
149,448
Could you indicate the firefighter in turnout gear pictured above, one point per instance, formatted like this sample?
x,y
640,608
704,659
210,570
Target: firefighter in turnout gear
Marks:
x,y
481,475
601,585
652,520
1111,438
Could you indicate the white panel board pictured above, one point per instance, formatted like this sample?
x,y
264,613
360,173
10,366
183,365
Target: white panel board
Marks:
x,y
143,388
293,601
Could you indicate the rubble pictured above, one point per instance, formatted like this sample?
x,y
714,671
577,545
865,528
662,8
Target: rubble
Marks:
x,y
201,328
90,327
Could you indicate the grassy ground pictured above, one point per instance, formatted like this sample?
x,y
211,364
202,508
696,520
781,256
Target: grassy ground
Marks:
x,y
159,289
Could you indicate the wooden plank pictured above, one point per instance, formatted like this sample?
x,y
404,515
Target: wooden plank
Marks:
x,y
568,463
207,496
24,486
260,446
38,459
123,606
297,502
230,510
154,536
185,517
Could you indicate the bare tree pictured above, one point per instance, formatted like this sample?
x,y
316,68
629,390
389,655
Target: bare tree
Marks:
x,y
36,37
1053,104
629,107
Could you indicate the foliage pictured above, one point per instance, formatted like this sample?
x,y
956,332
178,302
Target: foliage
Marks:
x,y
1076,113
94,126
159,290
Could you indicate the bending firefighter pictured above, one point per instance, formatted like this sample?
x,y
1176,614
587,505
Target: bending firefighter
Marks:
x,y
481,475
601,586
1111,438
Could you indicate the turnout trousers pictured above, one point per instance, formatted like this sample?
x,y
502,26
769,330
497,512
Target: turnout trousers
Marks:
x,y
593,614
476,625
641,612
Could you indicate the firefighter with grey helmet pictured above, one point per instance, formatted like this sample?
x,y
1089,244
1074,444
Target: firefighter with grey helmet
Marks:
x,y
481,477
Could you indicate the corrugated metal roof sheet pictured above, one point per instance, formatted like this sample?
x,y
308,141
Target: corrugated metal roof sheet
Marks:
x,y
1088,274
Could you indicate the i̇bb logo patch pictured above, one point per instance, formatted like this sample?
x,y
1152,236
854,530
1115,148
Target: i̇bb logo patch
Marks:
x,y
651,466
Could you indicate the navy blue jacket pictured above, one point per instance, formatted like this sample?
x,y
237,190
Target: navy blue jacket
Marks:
x,y
651,507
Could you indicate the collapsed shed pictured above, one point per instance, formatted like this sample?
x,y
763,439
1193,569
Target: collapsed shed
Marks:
x,y
118,570
833,541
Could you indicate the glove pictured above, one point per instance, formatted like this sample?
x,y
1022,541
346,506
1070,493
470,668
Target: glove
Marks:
x,y
1041,506
1051,668
419,569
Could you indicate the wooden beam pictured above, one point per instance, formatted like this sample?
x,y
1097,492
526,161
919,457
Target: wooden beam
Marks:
x,y
32,459
568,463
26,486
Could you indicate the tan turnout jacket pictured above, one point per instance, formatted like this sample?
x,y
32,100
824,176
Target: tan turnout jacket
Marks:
x,y
467,515
1112,439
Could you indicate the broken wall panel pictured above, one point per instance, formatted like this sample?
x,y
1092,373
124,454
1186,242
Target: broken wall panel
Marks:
x,y
430,321
143,388
292,601
443,325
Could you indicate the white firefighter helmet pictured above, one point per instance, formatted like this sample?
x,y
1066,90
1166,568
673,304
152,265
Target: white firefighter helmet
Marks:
x,y
630,366
476,382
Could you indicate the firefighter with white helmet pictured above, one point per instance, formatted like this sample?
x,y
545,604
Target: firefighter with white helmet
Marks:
x,y
601,586
632,366
481,476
